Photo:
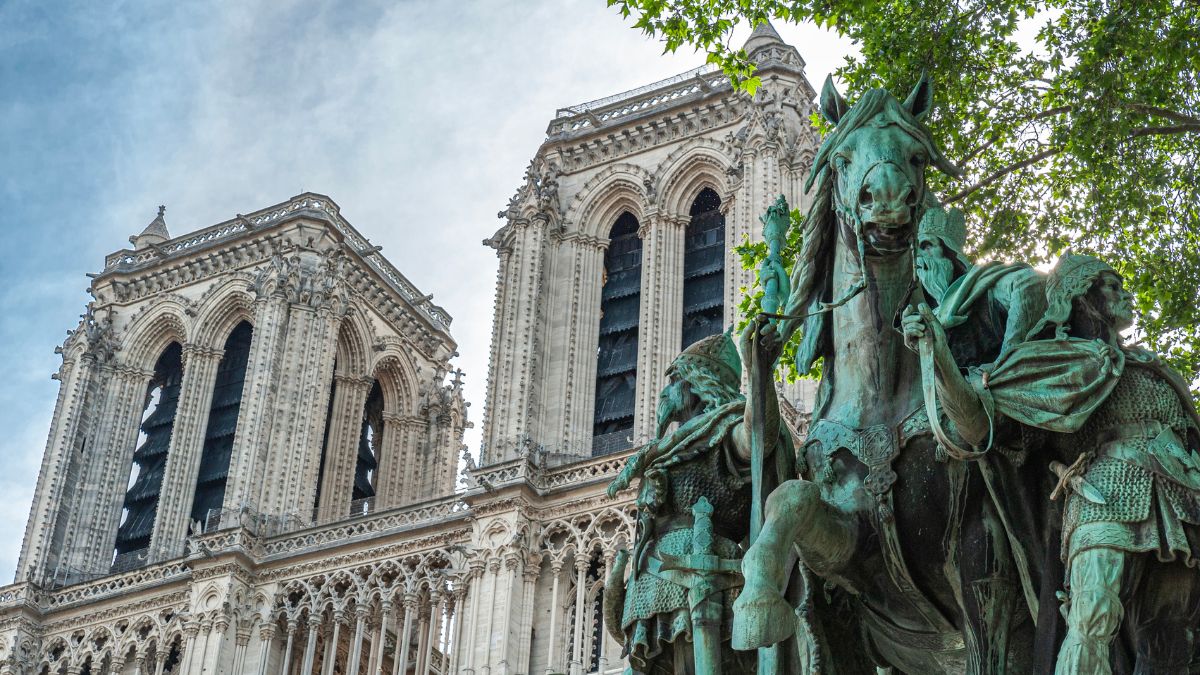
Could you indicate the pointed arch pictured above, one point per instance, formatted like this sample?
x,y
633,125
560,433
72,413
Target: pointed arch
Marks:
x,y
698,164
354,343
149,461
152,330
618,188
397,376
223,307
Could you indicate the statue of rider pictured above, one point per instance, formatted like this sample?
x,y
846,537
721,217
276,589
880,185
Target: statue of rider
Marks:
x,y
983,306
701,449
1125,424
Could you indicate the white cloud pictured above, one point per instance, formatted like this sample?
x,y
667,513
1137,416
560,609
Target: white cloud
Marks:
x,y
418,118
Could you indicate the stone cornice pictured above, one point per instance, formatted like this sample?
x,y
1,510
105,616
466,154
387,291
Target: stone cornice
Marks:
x,y
584,150
246,241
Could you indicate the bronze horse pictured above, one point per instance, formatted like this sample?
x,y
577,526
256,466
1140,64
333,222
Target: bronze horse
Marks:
x,y
905,539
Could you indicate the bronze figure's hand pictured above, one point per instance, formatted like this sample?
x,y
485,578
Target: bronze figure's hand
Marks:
x,y
919,321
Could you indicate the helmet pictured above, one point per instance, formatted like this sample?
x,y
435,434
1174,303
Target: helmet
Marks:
x,y
1071,277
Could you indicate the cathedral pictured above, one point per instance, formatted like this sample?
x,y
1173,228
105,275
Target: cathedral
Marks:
x,y
256,459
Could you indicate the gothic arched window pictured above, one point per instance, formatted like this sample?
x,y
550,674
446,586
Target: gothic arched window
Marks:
x,y
150,458
222,423
704,269
616,362
369,441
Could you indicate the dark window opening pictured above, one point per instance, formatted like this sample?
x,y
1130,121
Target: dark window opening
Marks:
x,y
704,269
150,457
368,445
222,424
616,357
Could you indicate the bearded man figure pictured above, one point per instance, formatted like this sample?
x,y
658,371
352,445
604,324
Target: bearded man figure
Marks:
x,y
1124,426
701,449
997,302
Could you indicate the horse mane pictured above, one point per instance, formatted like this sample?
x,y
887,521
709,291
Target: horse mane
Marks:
x,y
812,274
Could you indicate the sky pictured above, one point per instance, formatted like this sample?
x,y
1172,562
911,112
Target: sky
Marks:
x,y
417,117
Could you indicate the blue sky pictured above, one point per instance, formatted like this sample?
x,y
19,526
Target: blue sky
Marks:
x,y
418,118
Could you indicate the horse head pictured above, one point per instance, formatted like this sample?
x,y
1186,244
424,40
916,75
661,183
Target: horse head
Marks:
x,y
877,154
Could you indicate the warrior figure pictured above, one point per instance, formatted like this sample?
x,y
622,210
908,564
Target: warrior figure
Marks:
x,y
1125,424
705,455
998,302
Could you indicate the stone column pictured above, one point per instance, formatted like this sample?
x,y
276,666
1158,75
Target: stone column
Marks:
x,y
266,635
360,620
512,383
310,646
392,459
470,631
454,648
190,631
250,439
241,642
581,567
183,458
552,636
331,647
341,453
298,415
139,662
402,642
429,636
92,528
661,314
577,390
494,566
160,661
529,575
76,381
385,619
287,649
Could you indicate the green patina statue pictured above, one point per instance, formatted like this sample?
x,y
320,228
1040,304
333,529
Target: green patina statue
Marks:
x,y
1123,442
772,275
700,455
991,482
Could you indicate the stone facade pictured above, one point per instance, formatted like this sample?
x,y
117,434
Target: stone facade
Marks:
x,y
292,574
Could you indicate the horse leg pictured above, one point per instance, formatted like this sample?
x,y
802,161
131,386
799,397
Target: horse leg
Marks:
x,y
1094,612
795,514
1161,615
989,589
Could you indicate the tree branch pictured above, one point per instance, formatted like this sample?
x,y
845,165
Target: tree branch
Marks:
x,y
1162,131
1002,173
1164,112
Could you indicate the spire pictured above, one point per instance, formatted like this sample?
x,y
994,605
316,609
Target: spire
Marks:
x,y
764,35
154,234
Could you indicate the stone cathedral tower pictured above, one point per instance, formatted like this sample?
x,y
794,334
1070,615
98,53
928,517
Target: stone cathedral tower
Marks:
x,y
618,250
253,465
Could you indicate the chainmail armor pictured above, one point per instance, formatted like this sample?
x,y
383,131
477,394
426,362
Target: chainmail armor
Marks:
x,y
1146,508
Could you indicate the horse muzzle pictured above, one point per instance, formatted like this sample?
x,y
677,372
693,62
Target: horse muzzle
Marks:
x,y
888,231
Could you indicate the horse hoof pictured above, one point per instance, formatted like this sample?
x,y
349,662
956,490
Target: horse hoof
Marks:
x,y
761,620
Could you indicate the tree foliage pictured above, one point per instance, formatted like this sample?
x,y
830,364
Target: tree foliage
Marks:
x,y
1076,122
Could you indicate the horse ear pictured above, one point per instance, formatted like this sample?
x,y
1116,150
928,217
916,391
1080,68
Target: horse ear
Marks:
x,y
920,100
833,106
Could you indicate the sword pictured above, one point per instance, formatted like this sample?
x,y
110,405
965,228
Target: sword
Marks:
x,y
706,576
1068,476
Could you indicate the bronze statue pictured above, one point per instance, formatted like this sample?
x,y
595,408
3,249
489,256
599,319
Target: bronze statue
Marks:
x,y
700,450
983,446
1126,433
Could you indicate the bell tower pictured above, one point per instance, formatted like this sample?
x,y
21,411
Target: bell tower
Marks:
x,y
272,367
619,248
